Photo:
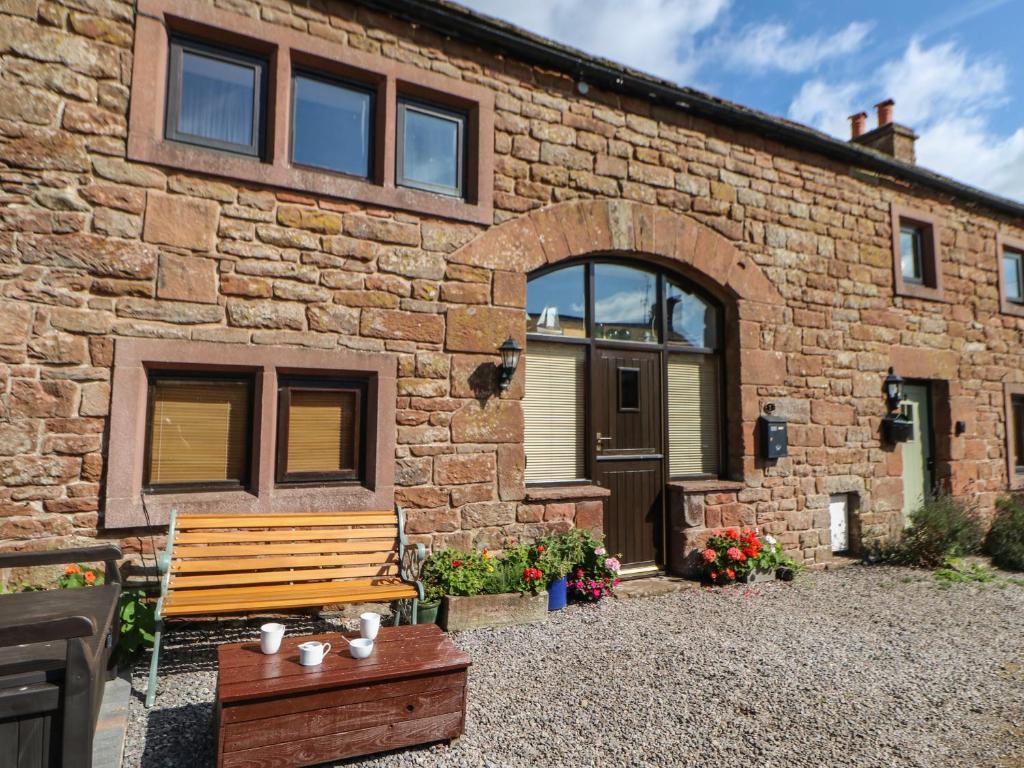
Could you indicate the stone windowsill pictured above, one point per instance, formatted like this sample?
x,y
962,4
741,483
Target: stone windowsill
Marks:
x,y
565,492
706,486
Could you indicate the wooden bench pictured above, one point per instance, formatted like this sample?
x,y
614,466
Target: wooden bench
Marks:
x,y
218,564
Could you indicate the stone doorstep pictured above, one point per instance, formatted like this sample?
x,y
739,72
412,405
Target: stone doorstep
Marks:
x,y
654,586
112,724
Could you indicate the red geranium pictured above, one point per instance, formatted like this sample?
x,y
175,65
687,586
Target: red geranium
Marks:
x,y
456,563
732,533
709,555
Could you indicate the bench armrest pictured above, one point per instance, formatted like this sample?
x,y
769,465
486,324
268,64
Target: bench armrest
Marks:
x,y
109,554
65,628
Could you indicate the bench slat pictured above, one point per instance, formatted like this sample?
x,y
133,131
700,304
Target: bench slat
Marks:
x,y
241,522
271,577
274,590
289,596
295,534
256,550
247,564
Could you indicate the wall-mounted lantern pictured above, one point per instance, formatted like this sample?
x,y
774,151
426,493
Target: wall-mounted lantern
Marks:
x,y
510,352
893,390
895,427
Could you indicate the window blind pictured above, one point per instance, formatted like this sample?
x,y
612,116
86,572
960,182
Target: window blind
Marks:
x,y
321,431
553,407
693,421
198,431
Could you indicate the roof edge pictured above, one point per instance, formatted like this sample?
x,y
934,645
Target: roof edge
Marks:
x,y
454,20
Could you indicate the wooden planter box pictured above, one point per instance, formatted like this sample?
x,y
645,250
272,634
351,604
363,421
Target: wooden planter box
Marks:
x,y
458,613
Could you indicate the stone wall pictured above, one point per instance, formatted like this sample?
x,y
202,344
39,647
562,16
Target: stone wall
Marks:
x,y
93,246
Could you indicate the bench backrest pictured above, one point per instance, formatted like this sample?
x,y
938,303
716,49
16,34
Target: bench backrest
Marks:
x,y
254,550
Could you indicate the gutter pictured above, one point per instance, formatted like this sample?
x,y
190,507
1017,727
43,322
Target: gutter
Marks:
x,y
452,20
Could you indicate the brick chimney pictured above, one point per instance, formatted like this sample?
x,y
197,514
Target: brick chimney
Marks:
x,y
889,137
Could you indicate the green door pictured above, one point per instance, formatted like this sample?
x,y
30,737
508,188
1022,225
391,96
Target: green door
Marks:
x,y
917,452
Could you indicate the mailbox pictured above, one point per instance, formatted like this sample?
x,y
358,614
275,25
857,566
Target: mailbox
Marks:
x,y
774,437
896,429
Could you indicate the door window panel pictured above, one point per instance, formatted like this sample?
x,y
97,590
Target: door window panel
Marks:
x,y
625,304
556,303
553,407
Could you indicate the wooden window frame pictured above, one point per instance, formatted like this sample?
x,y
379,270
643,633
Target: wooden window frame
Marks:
x,y
289,384
1014,401
930,288
349,84
179,45
286,49
155,375
666,347
1006,243
459,118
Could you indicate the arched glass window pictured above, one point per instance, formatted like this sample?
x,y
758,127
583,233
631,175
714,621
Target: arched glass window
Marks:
x,y
577,310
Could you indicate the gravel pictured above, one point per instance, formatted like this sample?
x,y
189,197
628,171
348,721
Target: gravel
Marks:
x,y
856,667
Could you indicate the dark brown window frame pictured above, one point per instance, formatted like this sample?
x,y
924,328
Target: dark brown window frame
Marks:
x,y
180,44
154,375
1006,243
666,346
348,83
1014,435
455,116
931,287
287,385
285,49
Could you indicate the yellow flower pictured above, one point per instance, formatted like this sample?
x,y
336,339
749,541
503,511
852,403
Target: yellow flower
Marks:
x,y
490,569
486,554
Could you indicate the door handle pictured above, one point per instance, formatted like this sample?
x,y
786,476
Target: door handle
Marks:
x,y
602,439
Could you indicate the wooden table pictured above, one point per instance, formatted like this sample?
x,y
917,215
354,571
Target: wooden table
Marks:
x,y
272,711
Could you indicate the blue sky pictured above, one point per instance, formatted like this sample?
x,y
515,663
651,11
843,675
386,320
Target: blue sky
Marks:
x,y
954,67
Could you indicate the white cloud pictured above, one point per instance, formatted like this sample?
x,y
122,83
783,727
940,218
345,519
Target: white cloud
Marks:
x,y
826,106
769,46
655,36
946,98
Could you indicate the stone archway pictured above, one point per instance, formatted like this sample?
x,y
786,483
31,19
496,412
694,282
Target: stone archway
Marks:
x,y
581,227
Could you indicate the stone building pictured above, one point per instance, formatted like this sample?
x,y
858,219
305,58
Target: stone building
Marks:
x,y
261,256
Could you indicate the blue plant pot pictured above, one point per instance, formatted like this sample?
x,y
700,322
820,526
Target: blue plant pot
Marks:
x,y
558,594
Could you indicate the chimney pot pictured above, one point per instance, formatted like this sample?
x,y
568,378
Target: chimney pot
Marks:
x,y
884,112
858,123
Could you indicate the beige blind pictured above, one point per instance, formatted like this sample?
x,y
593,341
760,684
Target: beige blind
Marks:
x,y
693,423
553,409
321,431
198,431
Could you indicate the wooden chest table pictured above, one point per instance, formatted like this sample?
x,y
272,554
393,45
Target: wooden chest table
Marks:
x,y
272,711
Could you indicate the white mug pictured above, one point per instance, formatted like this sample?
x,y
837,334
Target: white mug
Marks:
x,y
360,648
270,637
369,625
312,653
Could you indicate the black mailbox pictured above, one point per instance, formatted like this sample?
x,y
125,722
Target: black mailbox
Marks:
x,y
774,437
896,429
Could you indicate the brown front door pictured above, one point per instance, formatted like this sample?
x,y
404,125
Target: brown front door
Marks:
x,y
626,450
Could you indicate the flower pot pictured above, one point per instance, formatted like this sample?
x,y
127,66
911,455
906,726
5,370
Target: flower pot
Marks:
x,y
426,613
785,573
755,575
458,613
558,594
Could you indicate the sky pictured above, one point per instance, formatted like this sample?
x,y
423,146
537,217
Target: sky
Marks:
x,y
954,67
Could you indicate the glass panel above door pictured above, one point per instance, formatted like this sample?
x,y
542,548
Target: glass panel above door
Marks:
x,y
556,303
625,304
691,320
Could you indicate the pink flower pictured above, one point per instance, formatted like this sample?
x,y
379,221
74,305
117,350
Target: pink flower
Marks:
x,y
612,564
733,553
600,551
709,555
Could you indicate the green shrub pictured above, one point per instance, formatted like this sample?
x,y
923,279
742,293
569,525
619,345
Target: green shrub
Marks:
x,y
941,528
1005,540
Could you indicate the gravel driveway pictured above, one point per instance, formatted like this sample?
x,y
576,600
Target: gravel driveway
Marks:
x,y
857,667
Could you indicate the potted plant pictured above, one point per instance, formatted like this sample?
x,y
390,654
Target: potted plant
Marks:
x,y
596,575
770,561
557,555
728,556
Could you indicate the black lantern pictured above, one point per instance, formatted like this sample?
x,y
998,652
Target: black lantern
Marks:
x,y
893,390
510,352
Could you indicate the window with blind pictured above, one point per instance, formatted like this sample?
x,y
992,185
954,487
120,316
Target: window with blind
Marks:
x,y
319,426
198,432
694,424
553,406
